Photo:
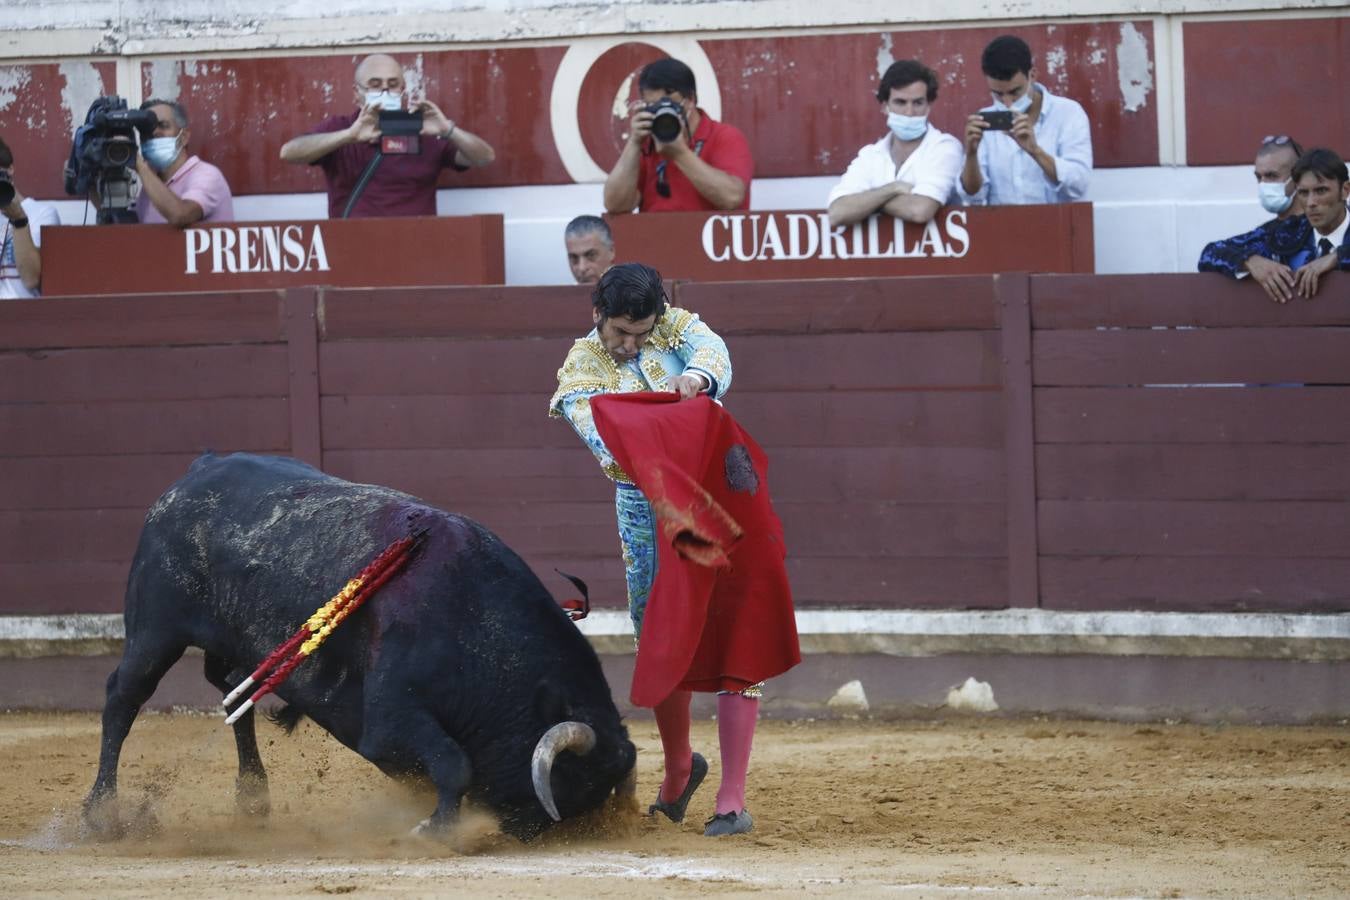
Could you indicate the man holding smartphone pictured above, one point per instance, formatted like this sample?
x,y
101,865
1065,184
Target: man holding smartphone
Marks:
x,y
1030,146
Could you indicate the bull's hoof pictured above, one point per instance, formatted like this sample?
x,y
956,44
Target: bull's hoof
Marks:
x,y
728,823
251,797
431,829
102,820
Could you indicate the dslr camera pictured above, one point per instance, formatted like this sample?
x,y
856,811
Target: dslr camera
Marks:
x,y
6,189
667,119
103,153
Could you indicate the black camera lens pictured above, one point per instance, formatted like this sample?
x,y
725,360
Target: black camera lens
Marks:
x,y
119,152
6,189
667,120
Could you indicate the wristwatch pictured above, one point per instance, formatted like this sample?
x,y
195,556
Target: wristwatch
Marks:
x,y
21,222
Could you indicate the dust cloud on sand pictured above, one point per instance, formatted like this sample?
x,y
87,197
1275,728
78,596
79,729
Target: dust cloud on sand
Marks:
x,y
935,809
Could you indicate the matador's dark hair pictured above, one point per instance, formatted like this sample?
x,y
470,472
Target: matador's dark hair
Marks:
x,y
630,291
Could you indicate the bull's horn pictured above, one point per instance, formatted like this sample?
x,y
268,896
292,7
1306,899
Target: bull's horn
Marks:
x,y
575,736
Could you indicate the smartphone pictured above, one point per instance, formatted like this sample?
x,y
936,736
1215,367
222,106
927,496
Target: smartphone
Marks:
x,y
997,119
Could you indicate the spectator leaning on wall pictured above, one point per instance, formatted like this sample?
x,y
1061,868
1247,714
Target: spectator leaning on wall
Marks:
x,y
1290,256
403,184
20,247
177,188
1043,155
697,164
590,248
911,172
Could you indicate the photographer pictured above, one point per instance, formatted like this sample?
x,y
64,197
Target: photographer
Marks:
x,y
176,188
1042,153
20,254
403,184
701,165
911,172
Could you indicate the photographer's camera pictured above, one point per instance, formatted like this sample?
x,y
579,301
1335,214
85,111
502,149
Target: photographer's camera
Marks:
x,y
667,120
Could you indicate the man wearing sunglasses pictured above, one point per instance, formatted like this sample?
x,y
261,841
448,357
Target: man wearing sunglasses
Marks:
x,y
1288,256
706,165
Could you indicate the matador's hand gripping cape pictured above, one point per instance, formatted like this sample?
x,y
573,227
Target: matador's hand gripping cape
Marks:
x,y
720,615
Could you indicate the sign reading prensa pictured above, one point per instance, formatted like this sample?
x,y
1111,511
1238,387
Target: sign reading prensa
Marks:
x,y
773,244
232,256
255,248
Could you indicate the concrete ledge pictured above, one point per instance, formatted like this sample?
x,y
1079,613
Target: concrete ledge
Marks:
x,y
899,633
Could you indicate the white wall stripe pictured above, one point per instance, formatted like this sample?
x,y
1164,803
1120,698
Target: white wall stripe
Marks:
x,y
913,633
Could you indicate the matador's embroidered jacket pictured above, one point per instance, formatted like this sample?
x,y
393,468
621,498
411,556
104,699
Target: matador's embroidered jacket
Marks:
x,y
679,343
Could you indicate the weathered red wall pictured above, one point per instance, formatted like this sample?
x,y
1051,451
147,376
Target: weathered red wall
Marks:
x,y
1248,79
905,467
804,101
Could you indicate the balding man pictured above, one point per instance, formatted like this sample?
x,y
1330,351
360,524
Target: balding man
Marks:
x,y
401,184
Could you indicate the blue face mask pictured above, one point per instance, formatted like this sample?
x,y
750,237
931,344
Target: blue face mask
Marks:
x,y
160,152
906,128
1273,197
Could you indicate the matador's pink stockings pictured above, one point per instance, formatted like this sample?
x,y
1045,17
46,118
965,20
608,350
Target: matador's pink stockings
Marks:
x,y
736,717
672,721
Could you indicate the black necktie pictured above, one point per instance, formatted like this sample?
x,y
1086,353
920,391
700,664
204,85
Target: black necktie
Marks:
x,y
1324,247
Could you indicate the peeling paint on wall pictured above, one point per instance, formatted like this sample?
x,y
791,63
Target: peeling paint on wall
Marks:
x,y
1055,57
82,85
13,79
164,75
885,55
1136,72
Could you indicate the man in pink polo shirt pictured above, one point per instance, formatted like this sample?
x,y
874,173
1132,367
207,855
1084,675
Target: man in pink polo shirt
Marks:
x,y
176,188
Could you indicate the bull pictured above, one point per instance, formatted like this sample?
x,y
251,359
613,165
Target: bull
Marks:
x,y
462,670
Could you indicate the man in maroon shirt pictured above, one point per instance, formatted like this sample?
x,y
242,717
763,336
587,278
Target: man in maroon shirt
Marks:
x,y
403,184
706,165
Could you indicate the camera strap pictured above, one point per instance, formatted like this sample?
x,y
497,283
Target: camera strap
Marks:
x,y
661,166
360,187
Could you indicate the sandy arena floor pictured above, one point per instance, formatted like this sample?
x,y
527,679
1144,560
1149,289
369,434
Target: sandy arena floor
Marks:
x,y
926,809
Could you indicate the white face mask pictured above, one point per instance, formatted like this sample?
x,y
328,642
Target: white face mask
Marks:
x,y
388,100
1273,198
1022,103
906,128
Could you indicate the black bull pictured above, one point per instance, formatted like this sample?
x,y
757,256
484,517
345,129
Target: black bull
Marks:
x,y
461,670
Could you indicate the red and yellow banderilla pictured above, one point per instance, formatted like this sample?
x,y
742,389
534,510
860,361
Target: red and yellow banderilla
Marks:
x,y
283,660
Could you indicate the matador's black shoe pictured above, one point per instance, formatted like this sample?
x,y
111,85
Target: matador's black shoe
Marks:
x,y
674,810
728,823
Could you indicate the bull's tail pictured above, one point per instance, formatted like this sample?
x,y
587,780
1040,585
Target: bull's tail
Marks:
x,y
285,717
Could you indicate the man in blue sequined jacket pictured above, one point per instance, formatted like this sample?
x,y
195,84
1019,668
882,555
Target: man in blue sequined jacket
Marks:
x,y
1290,256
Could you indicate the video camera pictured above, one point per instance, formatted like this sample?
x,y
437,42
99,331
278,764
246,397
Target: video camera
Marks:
x,y
103,153
667,120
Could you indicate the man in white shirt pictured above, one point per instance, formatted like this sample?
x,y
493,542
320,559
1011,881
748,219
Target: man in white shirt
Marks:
x,y
1044,155
20,256
911,171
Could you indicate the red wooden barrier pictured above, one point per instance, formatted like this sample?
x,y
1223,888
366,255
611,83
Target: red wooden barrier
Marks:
x,y
934,442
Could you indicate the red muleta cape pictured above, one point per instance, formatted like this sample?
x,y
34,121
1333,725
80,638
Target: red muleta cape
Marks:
x,y
720,616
